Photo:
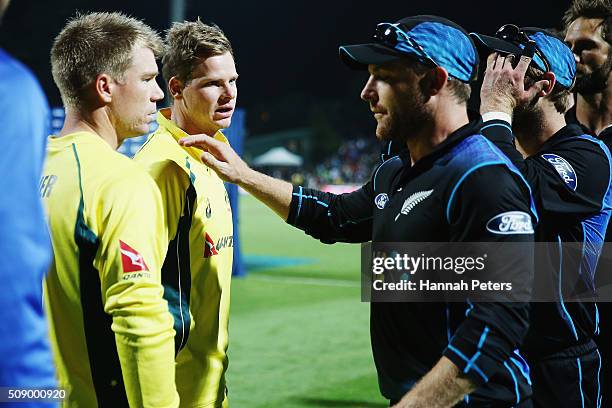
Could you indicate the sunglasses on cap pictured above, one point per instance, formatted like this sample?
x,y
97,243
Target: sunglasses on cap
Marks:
x,y
393,36
514,35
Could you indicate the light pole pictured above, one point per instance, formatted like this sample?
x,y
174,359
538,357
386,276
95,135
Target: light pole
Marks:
x,y
177,10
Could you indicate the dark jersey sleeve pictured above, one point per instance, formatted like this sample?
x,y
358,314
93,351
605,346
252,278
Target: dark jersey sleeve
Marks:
x,y
333,217
569,178
606,136
481,211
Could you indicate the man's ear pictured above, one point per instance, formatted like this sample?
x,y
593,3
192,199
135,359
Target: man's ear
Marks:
x,y
546,84
104,88
434,81
175,86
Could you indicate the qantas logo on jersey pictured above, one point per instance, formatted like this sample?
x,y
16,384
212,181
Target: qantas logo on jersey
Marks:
x,y
130,258
381,200
565,170
225,242
413,201
209,247
511,222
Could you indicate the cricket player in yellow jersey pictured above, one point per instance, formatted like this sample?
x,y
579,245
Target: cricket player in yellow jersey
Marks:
x,y
199,67
111,330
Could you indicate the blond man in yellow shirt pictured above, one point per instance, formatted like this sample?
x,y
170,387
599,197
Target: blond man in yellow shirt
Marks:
x,y
201,75
111,332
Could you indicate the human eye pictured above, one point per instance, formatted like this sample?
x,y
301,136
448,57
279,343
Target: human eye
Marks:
x,y
208,84
380,76
584,45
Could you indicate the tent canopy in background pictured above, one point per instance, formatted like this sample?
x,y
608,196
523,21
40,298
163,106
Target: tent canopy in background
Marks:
x,y
278,156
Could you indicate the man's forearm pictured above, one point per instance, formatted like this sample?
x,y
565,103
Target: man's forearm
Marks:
x,y
274,193
219,156
442,387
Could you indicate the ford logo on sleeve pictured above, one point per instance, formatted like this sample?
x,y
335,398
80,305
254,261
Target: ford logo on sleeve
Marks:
x,y
511,222
565,170
381,200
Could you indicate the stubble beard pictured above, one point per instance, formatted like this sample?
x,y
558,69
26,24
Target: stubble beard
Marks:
x,y
528,121
596,81
410,118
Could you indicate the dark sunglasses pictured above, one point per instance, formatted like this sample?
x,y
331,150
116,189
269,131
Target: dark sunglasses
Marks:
x,y
513,34
392,35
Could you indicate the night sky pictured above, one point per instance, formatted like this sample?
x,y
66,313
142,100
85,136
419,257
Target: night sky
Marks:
x,y
285,51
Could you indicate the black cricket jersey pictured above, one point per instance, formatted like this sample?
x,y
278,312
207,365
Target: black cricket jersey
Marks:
x,y
451,195
572,119
570,177
604,338
605,135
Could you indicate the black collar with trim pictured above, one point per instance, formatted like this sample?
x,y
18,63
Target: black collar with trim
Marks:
x,y
470,129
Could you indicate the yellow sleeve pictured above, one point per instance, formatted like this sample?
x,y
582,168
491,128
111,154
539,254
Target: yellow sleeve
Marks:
x,y
133,245
172,182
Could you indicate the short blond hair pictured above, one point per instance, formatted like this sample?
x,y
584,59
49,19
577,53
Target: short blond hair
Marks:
x,y
189,43
96,43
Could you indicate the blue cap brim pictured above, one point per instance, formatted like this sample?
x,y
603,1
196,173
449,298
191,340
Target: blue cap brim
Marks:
x,y
361,55
496,44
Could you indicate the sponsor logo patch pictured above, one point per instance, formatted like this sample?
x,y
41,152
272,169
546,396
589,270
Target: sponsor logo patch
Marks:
x,y
130,258
381,200
565,170
209,247
511,222
225,242
413,201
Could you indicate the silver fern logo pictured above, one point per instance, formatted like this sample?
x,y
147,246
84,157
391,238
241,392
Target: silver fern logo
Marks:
x,y
412,202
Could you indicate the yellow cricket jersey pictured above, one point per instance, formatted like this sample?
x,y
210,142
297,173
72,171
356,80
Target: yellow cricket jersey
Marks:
x,y
197,270
111,332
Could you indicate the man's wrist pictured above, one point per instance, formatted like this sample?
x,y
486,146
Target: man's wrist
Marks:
x,y
247,178
497,115
496,107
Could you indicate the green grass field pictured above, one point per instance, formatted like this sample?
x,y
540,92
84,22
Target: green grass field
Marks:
x,y
299,335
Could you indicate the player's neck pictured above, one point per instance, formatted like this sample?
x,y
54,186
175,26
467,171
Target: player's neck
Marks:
x,y
444,123
97,122
595,111
183,120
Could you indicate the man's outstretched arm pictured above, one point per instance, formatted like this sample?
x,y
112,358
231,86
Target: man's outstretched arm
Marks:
x,y
327,217
274,193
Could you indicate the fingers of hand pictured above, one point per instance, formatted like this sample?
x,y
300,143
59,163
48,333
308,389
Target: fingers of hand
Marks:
x,y
523,64
499,62
491,61
210,160
196,140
